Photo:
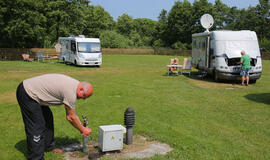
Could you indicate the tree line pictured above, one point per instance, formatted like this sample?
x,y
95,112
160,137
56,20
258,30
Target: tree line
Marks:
x,y
39,23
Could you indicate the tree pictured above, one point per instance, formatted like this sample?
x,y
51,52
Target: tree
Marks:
x,y
57,20
22,23
112,39
220,12
161,35
179,23
125,24
146,29
97,20
200,8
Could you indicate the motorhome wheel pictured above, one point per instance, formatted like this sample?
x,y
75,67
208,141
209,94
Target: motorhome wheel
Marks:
x,y
64,61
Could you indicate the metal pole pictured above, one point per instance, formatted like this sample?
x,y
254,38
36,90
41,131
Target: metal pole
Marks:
x,y
84,140
129,135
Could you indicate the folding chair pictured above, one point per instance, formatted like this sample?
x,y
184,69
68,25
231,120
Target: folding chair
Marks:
x,y
27,58
40,56
186,66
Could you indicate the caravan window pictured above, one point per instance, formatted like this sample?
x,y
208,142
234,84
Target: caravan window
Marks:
x,y
194,43
203,45
89,47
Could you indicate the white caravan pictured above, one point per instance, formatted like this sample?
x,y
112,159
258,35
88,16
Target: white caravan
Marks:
x,y
218,52
80,51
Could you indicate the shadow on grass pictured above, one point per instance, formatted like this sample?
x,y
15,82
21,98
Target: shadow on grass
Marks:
x,y
60,141
260,97
22,147
195,75
192,74
81,66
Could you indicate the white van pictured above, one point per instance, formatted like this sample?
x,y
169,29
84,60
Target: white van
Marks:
x,y
80,51
218,52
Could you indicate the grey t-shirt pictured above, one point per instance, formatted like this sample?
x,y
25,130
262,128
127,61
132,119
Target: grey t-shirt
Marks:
x,y
52,89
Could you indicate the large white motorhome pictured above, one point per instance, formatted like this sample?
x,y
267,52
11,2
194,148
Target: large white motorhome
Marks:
x,y
80,51
218,53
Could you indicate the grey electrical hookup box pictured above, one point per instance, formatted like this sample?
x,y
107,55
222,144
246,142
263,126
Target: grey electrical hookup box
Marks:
x,y
110,137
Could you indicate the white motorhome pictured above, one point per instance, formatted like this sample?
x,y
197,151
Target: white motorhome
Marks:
x,y
80,51
218,53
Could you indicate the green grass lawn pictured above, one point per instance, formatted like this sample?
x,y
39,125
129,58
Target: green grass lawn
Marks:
x,y
200,119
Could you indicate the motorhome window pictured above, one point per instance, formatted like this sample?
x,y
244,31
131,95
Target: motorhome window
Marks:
x,y
73,46
203,45
194,44
89,47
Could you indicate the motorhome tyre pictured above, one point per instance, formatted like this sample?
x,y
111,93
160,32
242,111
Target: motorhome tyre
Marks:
x,y
64,61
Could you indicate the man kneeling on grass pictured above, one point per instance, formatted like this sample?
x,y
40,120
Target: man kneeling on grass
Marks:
x,y
35,95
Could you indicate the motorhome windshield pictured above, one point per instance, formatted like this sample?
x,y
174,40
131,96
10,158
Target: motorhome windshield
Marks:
x,y
88,47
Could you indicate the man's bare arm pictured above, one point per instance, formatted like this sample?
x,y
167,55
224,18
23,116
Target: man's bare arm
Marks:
x,y
72,117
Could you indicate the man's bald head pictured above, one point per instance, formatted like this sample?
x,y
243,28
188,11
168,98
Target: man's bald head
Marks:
x,y
84,90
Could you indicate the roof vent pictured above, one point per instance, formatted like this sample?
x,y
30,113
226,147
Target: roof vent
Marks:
x,y
81,36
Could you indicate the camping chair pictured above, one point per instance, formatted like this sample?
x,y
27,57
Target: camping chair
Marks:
x,y
186,66
173,67
40,56
27,58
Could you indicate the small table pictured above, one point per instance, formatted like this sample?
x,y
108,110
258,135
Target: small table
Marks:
x,y
173,65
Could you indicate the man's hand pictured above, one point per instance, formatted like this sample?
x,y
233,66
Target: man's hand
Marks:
x,y
86,132
75,121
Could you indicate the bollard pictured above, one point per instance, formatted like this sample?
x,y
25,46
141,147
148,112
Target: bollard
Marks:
x,y
129,117
85,124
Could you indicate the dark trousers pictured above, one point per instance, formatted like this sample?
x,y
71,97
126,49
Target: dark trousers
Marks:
x,y
38,123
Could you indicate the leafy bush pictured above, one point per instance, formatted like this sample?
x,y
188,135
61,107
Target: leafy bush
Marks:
x,y
48,44
158,44
112,39
265,44
136,39
180,46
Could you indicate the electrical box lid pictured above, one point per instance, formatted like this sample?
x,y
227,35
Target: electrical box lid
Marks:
x,y
108,128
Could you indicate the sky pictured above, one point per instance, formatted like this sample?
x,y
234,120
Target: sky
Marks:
x,y
152,8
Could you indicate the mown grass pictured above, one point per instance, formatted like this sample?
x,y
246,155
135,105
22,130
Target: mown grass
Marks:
x,y
200,119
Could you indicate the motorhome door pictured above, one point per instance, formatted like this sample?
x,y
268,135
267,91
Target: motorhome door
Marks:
x,y
204,51
73,50
208,56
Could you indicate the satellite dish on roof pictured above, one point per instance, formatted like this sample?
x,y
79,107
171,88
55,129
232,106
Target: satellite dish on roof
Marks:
x,y
207,21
